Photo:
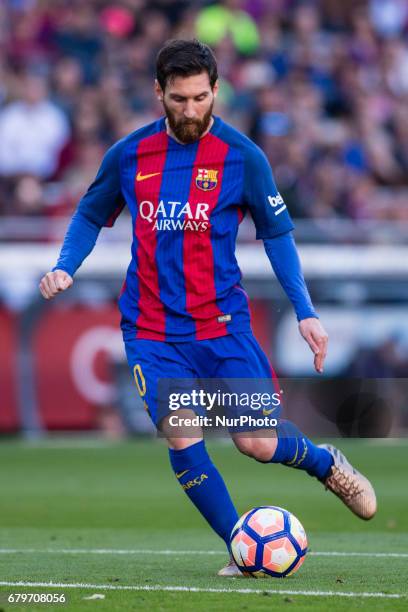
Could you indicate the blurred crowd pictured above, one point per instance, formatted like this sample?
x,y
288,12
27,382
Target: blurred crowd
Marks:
x,y
321,86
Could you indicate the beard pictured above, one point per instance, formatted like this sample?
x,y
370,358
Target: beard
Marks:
x,y
188,130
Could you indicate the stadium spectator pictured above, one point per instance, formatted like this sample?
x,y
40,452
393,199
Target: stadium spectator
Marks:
x,y
33,131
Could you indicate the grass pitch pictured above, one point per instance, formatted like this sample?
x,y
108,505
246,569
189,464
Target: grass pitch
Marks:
x,y
86,518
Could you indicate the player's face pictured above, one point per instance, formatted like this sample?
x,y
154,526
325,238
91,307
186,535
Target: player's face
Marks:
x,y
188,103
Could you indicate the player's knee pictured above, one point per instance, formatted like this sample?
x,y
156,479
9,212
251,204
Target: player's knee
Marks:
x,y
177,428
244,445
257,448
260,449
264,450
182,443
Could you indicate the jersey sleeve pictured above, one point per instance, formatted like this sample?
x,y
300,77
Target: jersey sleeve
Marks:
x,y
99,207
285,261
103,202
269,211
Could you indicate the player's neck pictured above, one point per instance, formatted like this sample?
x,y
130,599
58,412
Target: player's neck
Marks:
x,y
171,133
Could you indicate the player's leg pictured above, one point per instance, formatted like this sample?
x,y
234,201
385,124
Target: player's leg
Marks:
x,y
288,445
294,449
352,487
244,358
193,468
198,476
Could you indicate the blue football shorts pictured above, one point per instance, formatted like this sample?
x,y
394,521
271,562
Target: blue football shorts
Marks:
x,y
235,356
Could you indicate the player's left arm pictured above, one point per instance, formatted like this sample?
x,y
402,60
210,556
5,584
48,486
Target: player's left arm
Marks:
x,y
285,261
274,226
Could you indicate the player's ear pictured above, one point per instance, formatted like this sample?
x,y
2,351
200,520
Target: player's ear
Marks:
x,y
215,88
158,90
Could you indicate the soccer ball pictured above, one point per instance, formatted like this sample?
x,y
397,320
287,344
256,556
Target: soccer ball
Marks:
x,y
268,541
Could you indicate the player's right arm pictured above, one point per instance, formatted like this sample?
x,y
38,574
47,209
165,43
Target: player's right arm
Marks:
x,y
99,207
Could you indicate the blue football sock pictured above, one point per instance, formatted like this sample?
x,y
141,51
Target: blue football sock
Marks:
x,y
295,450
205,487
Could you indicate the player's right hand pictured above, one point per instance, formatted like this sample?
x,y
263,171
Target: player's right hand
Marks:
x,y
55,282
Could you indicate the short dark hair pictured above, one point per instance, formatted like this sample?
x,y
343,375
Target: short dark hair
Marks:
x,y
184,58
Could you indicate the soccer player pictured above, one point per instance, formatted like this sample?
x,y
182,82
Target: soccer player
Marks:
x,y
188,179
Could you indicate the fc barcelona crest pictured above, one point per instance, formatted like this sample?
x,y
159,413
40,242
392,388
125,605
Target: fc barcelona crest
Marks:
x,y
206,179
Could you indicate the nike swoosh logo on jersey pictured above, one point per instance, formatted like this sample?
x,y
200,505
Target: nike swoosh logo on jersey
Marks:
x,y
180,474
266,412
143,177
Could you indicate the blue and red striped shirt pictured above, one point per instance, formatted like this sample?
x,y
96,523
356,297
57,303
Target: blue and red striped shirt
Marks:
x,y
186,202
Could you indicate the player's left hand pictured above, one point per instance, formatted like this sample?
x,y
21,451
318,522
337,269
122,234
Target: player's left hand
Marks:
x,y
316,336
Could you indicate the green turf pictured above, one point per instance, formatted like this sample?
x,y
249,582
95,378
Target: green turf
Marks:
x,y
124,496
